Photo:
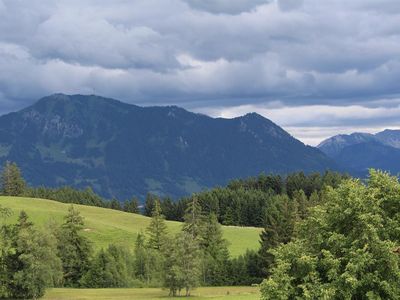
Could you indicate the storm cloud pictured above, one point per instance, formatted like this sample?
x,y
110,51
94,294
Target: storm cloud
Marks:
x,y
334,64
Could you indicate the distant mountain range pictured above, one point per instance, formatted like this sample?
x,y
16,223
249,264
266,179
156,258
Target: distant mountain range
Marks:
x,y
357,152
123,150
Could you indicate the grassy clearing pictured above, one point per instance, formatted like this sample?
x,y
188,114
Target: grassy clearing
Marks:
x,y
215,293
106,226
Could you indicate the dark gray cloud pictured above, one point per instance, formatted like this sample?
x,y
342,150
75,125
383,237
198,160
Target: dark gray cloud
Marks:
x,y
225,6
204,54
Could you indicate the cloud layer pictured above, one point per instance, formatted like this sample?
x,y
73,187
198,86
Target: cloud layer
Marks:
x,y
332,63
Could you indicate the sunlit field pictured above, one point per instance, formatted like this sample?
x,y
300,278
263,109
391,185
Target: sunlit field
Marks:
x,y
106,226
215,293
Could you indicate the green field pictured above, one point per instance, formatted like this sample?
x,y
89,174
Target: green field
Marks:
x,y
106,226
215,293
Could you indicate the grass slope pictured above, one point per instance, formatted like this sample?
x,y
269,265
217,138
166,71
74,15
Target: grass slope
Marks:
x,y
215,293
106,226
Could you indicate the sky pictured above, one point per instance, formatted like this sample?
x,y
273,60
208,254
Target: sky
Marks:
x,y
316,68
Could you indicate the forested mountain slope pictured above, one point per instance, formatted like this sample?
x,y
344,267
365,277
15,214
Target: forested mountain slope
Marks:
x,y
122,150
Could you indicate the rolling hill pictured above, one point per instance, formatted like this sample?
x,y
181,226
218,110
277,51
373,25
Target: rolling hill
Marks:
x,y
124,150
105,226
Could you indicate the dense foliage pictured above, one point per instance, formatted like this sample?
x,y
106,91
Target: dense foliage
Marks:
x,y
28,260
348,248
12,183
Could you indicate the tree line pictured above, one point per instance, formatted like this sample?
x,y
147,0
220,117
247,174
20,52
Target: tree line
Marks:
x,y
242,202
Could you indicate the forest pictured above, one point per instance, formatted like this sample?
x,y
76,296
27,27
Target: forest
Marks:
x,y
324,236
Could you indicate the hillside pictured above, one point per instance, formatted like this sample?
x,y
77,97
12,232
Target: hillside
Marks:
x,y
105,226
123,150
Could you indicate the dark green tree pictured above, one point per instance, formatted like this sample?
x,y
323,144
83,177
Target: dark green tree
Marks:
x,y
74,249
149,204
111,268
157,229
132,206
28,262
12,183
194,218
115,204
279,225
215,254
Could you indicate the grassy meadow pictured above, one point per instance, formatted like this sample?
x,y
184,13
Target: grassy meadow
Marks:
x,y
106,226
214,293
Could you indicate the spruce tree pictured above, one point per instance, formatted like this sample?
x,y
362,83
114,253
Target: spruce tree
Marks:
x,y
12,183
74,249
215,253
157,230
149,204
194,218
279,222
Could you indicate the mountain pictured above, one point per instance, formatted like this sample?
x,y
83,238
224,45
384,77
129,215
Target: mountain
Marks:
x,y
334,145
389,137
122,150
358,152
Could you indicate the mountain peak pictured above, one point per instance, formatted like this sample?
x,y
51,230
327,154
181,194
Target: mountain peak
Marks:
x,y
334,145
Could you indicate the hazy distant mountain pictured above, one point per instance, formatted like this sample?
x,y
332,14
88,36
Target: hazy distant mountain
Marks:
x,y
123,150
358,152
389,137
334,145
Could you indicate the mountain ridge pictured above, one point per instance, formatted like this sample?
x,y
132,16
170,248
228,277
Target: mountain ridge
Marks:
x,y
122,150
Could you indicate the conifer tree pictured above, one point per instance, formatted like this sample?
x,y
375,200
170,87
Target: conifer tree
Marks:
x,y
73,248
132,206
193,218
279,225
12,183
149,204
157,230
29,263
215,254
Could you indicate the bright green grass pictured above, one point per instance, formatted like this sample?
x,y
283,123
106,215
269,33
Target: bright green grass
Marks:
x,y
105,226
214,293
